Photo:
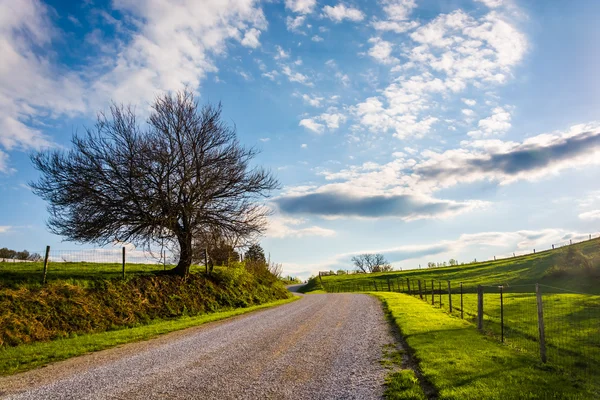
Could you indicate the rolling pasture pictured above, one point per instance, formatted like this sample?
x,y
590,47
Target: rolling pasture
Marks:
x,y
569,289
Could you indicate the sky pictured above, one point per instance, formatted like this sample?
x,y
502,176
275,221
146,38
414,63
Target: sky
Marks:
x,y
419,129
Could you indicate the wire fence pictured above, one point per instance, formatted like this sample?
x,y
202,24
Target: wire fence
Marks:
x,y
551,324
83,264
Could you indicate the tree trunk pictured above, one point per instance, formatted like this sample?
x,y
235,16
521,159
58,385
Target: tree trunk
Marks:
x,y
185,257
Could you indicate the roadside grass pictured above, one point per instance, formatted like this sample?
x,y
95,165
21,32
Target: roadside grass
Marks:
x,y
463,364
29,356
401,384
312,287
528,269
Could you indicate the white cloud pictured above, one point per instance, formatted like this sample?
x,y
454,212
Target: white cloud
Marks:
x,y
451,52
343,78
251,38
4,162
382,51
316,38
281,53
506,162
340,12
331,120
398,10
264,139
173,44
271,75
395,26
31,86
590,215
293,24
281,227
314,101
301,6
304,145
5,228
468,112
294,76
311,124
498,122
397,13
469,102
492,3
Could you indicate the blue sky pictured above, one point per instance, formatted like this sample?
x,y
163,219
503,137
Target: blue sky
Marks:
x,y
424,130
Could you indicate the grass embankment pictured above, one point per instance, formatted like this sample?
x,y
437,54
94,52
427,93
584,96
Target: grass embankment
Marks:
x,y
29,356
312,287
60,310
460,363
543,267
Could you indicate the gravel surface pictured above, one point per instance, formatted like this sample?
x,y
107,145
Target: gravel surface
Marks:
x,y
322,347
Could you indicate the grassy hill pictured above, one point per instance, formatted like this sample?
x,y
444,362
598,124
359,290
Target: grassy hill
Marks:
x,y
575,268
569,279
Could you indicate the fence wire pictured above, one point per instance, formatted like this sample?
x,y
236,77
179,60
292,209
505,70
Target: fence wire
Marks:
x,y
83,265
513,315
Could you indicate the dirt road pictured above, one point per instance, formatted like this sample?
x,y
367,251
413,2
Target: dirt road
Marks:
x,y
321,347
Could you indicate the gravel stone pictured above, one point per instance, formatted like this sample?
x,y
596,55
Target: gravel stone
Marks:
x,y
325,346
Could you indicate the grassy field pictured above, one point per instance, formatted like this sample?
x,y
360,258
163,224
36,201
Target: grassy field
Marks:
x,y
460,363
523,270
572,320
25,357
74,273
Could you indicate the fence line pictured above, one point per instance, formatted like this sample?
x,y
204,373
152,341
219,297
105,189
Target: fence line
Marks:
x,y
559,328
82,264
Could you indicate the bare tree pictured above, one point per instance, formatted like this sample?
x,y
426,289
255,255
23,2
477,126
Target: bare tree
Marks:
x,y
275,269
183,176
371,263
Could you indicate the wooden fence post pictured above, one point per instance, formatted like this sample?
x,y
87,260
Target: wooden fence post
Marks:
x,y
462,315
123,262
206,264
164,260
450,296
425,289
420,291
388,281
502,313
408,286
432,293
440,290
46,264
480,307
540,310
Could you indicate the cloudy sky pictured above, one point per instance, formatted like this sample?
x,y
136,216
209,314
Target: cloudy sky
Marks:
x,y
424,130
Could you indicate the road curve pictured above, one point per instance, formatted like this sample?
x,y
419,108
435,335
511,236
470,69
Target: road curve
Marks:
x,y
322,347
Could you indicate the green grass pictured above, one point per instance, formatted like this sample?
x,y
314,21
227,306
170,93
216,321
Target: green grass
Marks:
x,y
74,273
571,326
403,385
523,270
461,363
312,287
25,357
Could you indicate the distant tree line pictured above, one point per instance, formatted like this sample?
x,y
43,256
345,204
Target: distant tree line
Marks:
x,y
9,254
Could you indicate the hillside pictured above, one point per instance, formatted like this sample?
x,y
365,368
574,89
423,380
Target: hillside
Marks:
x,y
574,268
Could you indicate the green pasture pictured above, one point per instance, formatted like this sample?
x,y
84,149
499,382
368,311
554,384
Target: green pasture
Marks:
x,y
460,363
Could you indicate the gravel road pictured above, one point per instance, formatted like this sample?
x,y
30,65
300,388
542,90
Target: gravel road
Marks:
x,y
321,347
